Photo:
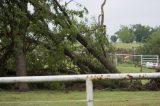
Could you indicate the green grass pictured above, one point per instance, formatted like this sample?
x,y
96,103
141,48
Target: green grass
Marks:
x,y
130,68
127,45
102,98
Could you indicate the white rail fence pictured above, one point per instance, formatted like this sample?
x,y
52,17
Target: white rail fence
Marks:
x,y
87,77
144,59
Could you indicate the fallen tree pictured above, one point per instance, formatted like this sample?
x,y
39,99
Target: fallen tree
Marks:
x,y
91,49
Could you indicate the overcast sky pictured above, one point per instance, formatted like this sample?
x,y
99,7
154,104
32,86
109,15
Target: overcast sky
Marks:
x,y
125,12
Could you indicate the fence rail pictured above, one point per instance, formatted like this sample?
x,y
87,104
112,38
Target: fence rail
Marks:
x,y
85,77
143,59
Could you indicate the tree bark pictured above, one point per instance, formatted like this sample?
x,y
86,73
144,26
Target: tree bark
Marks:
x,y
21,70
98,55
102,12
20,61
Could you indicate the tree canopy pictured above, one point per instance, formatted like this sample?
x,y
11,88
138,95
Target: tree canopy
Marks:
x,y
125,34
141,32
152,45
114,38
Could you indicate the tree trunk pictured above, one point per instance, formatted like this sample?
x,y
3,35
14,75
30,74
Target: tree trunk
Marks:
x,y
21,70
84,65
99,56
22,26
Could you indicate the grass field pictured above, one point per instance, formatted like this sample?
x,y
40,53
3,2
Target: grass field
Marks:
x,y
130,68
127,45
77,98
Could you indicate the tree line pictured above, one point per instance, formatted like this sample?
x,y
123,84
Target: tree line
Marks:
x,y
138,33
148,36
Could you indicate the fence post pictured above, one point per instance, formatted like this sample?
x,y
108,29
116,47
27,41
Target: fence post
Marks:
x,y
141,60
89,91
116,59
158,59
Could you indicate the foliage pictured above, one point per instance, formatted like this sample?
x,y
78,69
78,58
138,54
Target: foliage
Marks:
x,y
137,32
125,35
141,32
113,38
152,45
44,38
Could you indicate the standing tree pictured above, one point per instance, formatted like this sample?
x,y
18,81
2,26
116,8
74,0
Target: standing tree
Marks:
x,y
22,30
125,34
152,45
113,38
14,24
141,32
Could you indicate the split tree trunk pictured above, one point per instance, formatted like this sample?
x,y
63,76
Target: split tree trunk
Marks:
x,y
98,55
